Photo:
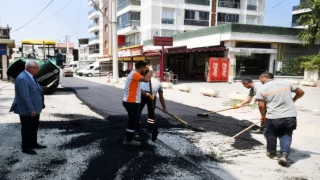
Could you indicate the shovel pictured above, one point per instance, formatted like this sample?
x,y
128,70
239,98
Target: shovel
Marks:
x,y
185,123
155,130
215,112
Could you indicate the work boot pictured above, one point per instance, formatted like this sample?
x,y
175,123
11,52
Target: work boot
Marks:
x,y
258,131
283,159
136,136
132,142
271,155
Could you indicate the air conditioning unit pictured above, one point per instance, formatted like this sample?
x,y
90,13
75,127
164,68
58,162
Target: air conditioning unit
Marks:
x,y
134,27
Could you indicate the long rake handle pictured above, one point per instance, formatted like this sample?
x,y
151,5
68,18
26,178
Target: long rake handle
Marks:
x,y
175,117
214,112
239,133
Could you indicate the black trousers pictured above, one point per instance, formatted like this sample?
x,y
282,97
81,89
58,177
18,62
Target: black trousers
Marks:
x,y
29,131
151,107
134,115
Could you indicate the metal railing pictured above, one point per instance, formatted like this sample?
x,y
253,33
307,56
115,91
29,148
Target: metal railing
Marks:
x,y
94,38
198,2
228,4
294,8
127,24
127,44
252,7
92,11
196,22
223,22
95,51
128,3
93,24
167,21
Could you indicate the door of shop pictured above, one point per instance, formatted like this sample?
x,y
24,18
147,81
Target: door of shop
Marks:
x,y
179,65
252,66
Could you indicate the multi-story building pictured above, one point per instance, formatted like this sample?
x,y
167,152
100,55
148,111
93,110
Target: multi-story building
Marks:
x,y
297,11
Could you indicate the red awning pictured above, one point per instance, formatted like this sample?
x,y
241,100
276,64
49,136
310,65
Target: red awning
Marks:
x,y
151,53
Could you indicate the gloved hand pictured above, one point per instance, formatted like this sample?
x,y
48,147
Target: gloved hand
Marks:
x,y
236,106
150,96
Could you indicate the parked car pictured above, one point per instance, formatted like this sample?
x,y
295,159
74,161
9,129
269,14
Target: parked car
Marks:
x,y
67,72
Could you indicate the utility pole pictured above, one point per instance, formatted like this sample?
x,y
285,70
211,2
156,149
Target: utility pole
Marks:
x,y
67,40
115,60
113,21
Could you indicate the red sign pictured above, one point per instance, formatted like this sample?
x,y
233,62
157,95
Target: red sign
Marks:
x,y
162,41
130,52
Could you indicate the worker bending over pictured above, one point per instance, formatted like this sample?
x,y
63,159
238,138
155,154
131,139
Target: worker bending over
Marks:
x,y
276,105
253,86
132,99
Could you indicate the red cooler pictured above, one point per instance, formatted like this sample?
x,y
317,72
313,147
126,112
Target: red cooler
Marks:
x,y
218,70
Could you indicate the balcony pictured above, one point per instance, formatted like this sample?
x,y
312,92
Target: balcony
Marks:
x,y
128,3
167,21
93,13
128,28
295,8
94,40
94,27
252,7
196,22
94,51
128,44
90,3
197,2
228,4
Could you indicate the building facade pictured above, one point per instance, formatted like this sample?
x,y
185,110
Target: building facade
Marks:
x,y
297,11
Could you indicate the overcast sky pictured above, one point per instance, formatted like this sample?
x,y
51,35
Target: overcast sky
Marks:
x,y
73,20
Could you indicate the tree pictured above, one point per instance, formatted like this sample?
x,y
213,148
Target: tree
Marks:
x,y
311,20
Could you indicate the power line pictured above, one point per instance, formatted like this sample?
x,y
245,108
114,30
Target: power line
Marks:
x,y
77,18
35,16
273,7
56,13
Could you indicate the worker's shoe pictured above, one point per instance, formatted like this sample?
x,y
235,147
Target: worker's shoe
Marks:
x,y
283,159
136,136
271,155
258,131
132,142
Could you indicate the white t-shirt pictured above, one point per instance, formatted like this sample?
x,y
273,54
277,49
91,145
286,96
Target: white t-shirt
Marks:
x,y
156,86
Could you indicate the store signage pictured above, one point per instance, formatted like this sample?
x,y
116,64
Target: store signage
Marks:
x,y
3,49
162,41
253,50
130,52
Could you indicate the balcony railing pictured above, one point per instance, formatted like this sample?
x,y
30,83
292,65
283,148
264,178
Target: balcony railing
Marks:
x,y
92,11
228,4
130,23
127,44
252,7
294,8
128,3
196,22
94,38
95,51
294,25
167,21
93,24
198,2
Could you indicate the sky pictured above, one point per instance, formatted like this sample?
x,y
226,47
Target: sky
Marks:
x,y
73,20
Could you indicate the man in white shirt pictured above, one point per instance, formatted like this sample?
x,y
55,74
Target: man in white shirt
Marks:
x,y
146,98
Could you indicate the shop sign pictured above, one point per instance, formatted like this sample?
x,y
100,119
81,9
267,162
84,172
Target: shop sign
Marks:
x,y
253,50
130,52
162,41
3,49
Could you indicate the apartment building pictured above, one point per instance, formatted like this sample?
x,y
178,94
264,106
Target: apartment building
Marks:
x,y
297,11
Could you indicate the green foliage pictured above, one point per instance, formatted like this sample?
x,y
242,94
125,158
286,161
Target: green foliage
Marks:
x,y
311,20
313,64
292,67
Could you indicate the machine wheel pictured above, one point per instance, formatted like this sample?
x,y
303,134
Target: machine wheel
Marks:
x,y
89,75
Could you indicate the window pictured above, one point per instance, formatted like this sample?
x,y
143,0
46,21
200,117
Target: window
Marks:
x,y
229,4
106,28
106,11
106,45
190,14
228,18
128,19
251,20
252,5
167,16
138,39
203,15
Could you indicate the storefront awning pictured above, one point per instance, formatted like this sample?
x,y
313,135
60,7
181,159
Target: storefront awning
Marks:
x,y
203,49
